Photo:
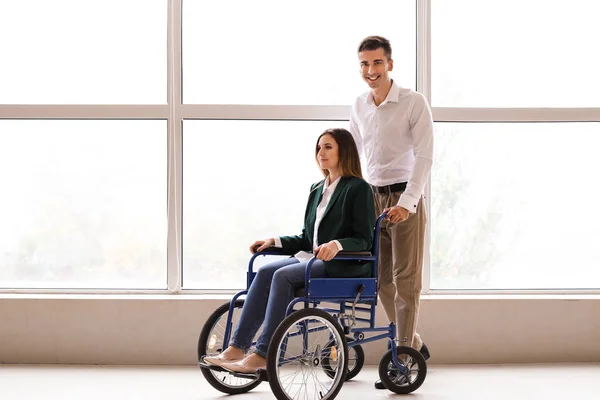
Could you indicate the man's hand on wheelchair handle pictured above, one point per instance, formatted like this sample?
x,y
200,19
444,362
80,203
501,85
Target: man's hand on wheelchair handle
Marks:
x,y
263,244
326,251
396,214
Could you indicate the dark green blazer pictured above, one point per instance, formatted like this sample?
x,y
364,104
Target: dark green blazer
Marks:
x,y
348,218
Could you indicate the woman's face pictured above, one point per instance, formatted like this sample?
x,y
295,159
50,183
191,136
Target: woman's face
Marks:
x,y
327,152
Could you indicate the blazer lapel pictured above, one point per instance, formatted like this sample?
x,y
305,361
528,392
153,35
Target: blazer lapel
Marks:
x,y
336,193
318,195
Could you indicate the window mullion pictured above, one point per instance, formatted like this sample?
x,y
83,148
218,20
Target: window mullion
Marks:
x,y
174,201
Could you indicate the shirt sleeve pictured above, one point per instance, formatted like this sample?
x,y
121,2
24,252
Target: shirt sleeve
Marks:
x,y
421,127
277,242
355,131
339,245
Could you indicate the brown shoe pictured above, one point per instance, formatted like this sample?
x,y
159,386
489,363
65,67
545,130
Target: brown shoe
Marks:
x,y
220,359
248,365
239,367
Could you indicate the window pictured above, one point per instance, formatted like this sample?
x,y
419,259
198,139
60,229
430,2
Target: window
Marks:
x,y
274,52
169,196
83,204
514,206
243,181
83,52
514,53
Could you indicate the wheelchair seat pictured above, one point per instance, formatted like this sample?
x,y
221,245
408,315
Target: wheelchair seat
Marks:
x,y
301,292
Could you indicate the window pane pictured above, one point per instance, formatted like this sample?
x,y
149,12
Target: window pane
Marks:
x,y
83,52
243,181
276,52
84,204
515,206
514,53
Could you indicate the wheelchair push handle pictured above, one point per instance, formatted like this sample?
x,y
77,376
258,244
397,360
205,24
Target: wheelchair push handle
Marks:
x,y
381,217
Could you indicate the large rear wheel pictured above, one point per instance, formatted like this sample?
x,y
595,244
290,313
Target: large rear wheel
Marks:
x,y
296,353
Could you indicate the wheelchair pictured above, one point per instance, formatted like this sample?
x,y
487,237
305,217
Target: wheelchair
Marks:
x,y
315,349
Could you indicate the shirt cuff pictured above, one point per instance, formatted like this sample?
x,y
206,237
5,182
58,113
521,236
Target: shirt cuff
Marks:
x,y
408,202
339,245
277,242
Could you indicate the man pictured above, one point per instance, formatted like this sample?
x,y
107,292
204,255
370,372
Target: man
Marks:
x,y
393,130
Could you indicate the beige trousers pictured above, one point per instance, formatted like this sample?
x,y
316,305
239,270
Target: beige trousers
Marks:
x,y
400,271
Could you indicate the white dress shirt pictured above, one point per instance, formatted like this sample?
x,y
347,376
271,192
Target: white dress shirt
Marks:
x,y
327,192
395,141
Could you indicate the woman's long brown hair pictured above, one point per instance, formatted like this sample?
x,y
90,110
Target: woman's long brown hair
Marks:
x,y
348,159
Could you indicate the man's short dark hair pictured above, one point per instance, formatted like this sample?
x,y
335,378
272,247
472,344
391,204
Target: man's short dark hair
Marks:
x,y
376,42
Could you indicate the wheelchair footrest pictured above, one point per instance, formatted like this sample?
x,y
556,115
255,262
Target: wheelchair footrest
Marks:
x,y
261,374
216,368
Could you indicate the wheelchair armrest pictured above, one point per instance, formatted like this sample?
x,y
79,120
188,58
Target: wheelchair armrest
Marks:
x,y
354,253
273,251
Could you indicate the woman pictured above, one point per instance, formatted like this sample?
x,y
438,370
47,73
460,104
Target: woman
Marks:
x,y
340,215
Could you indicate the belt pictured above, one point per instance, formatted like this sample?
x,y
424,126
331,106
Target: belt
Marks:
x,y
396,187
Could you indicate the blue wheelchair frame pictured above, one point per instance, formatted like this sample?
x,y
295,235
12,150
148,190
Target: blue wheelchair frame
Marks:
x,y
337,290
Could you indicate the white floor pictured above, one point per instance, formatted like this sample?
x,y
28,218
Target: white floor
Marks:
x,y
444,382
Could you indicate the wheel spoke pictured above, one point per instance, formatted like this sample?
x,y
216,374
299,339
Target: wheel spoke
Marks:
x,y
311,353
215,338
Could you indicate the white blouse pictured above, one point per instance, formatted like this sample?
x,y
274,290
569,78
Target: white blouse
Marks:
x,y
327,193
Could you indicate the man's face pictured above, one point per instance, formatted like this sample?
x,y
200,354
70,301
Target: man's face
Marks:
x,y
374,67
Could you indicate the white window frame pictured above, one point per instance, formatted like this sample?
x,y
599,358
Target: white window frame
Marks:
x,y
175,113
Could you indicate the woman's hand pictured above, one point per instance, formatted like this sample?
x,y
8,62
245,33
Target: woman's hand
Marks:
x,y
263,245
327,251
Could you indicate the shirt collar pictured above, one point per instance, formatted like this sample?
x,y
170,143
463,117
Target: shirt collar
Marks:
x,y
392,96
326,185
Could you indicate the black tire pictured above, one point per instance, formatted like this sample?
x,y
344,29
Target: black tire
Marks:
x,y
391,377
355,362
218,379
280,334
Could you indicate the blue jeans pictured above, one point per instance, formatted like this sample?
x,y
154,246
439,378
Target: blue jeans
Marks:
x,y
270,293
